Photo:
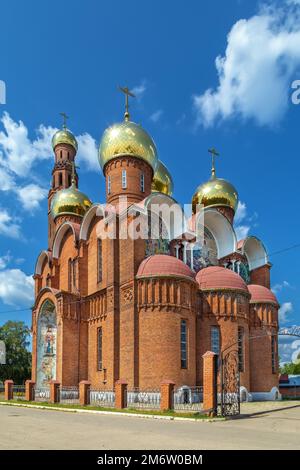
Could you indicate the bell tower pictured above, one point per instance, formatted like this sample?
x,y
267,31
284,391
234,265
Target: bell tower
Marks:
x,y
65,147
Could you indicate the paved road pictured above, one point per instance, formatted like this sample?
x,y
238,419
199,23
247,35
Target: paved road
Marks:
x,y
272,427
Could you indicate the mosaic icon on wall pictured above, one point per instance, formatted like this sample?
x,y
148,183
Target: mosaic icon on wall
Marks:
x,y
158,236
205,254
245,272
46,344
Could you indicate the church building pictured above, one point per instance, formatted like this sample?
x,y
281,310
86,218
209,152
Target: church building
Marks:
x,y
111,305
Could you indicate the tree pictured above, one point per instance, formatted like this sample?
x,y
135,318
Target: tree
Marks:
x,y
15,335
290,368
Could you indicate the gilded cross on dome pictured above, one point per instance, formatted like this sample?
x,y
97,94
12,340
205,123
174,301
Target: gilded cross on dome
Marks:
x,y
214,154
65,118
127,93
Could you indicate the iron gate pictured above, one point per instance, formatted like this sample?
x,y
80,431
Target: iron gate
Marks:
x,y
229,402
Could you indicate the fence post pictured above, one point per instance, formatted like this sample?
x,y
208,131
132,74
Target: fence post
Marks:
x,y
84,392
29,390
166,395
210,382
8,389
54,391
121,394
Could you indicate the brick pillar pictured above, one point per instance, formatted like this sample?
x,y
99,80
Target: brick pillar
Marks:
x,y
29,390
121,394
166,395
54,391
8,389
210,382
84,392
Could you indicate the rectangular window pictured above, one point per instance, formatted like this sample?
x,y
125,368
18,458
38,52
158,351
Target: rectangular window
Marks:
x,y
215,339
273,346
241,348
124,179
74,272
142,181
108,185
70,275
183,344
99,259
99,348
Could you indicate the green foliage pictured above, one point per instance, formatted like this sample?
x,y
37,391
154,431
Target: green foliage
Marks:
x,y
290,368
15,335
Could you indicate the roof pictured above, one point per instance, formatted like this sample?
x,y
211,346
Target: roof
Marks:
x,y
217,277
164,265
261,294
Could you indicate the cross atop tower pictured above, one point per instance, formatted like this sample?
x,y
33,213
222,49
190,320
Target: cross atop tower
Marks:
x,y
127,93
214,154
65,118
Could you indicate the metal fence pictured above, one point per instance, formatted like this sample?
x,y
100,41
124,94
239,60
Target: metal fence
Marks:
x,y
69,395
19,392
41,394
188,398
149,399
105,398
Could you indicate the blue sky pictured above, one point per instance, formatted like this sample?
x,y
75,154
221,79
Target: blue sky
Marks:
x,y
71,55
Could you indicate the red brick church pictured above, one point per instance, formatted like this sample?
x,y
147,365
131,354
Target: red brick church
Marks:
x,y
145,309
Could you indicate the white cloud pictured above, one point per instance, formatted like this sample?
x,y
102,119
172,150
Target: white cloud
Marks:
x,y
279,286
18,154
296,350
285,309
241,212
241,225
9,225
289,349
4,260
242,231
155,117
16,288
139,90
31,196
7,182
87,152
261,59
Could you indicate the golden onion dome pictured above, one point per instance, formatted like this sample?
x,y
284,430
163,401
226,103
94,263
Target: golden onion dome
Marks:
x,y
64,136
216,192
162,180
127,138
70,201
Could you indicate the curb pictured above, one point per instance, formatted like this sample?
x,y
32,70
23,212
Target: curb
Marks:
x,y
112,413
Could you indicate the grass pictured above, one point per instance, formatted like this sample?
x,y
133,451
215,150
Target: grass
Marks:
x,y
170,413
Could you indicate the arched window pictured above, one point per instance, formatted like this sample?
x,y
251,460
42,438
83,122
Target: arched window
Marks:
x,y
70,274
99,260
183,344
60,154
142,182
215,339
48,280
69,180
124,179
99,348
108,185
60,179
